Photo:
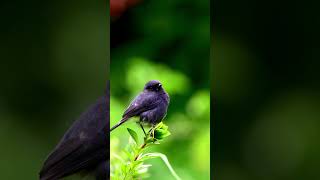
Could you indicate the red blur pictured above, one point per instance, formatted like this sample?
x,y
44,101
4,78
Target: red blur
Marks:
x,y
117,7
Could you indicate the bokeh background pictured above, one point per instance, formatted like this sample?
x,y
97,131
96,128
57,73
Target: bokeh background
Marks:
x,y
53,65
265,67
168,41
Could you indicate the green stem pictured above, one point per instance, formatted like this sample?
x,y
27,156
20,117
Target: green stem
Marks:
x,y
139,151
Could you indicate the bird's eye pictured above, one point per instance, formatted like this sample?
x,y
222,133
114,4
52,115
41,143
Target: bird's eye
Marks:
x,y
159,85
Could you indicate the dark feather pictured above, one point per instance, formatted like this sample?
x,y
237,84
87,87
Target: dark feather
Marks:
x,y
83,147
143,102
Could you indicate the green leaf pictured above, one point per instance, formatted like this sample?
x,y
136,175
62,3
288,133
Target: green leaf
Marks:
x,y
164,159
161,131
133,134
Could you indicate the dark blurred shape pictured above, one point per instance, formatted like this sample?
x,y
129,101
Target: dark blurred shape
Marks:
x,y
53,64
84,147
265,72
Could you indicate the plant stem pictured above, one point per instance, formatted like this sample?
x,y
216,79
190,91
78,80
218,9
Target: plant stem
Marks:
x,y
139,151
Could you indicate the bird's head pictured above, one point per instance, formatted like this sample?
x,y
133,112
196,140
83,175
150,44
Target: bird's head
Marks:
x,y
154,86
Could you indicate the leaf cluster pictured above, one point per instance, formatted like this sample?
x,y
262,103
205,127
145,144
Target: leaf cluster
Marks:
x,y
131,163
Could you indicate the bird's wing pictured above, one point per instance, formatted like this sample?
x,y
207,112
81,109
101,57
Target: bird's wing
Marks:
x,y
83,146
73,156
140,104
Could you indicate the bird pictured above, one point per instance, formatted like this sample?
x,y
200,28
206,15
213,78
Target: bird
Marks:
x,y
150,106
84,148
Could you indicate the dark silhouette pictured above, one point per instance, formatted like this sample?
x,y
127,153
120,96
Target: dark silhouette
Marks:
x,y
150,105
84,147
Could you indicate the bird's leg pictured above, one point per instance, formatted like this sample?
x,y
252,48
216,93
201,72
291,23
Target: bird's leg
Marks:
x,y
151,131
143,129
152,127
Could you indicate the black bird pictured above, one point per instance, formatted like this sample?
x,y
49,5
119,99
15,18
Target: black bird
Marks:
x,y
84,148
150,105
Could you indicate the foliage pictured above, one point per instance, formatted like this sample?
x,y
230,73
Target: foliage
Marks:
x,y
131,163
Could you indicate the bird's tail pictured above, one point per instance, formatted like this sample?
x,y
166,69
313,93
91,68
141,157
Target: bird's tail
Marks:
x,y
123,120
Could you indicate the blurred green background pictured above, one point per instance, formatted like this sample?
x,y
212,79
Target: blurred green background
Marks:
x,y
265,67
168,41
53,65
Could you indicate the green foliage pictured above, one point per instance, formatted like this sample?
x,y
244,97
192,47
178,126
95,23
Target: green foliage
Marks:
x,y
133,134
141,70
161,131
131,163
